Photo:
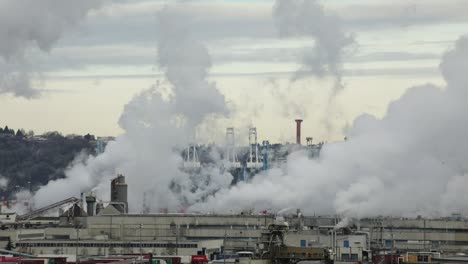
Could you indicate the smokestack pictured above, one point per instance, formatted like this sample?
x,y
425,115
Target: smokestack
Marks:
x,y
119,193
90,202
298,131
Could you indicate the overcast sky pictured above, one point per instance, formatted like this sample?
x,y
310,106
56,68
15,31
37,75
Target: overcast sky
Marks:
x,y
100,63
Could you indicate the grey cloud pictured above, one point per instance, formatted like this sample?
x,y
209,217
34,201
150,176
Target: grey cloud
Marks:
x,y
291,55
134,24
29,24
136,21
186,61
80,57
15,78
419,142
146,55
128,21
402,71
394,56
455,64
298,18
403,13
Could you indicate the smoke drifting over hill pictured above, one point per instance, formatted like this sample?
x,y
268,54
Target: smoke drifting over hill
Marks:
x,y
28,24
156,122
411,162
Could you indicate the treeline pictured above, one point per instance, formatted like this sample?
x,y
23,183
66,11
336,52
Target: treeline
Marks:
x,y
29,161
11,132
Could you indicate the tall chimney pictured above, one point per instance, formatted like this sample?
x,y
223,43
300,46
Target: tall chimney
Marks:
x,y
298,131
119,193
90,204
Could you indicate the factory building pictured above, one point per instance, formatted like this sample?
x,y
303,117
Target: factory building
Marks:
x,y
444,235
91,230
188,234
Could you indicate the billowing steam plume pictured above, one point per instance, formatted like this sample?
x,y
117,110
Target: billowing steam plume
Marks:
x,y
307,18
156,122
411,162
27,24
3,182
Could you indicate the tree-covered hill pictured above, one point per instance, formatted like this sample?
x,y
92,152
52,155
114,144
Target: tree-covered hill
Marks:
x,y
28,161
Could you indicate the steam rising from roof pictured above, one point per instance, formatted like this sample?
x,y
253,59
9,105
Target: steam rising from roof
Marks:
x,y
411,162
157,122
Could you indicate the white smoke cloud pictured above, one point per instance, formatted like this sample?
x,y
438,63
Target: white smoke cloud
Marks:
x,y
29,24
186,62
157,123
3,182
411,162
24,203
307,18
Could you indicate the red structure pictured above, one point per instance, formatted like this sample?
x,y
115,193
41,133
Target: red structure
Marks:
x,y
23,260
385,259
298,131
199,259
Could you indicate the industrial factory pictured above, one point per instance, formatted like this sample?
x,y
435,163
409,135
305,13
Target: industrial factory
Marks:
x,y
243,162
88,230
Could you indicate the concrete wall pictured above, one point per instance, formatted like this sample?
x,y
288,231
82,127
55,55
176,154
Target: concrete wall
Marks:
x,y
244,231
95,248
419,234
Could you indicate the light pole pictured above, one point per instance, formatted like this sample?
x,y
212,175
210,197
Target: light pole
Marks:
x,y
446,233
224,247
177,240
30,192
77,241
141,249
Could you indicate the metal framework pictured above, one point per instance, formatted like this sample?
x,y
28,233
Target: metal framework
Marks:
x,y
253,161
191,157
230,155
40,211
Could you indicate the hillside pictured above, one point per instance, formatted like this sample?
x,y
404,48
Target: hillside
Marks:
x,y
28,161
